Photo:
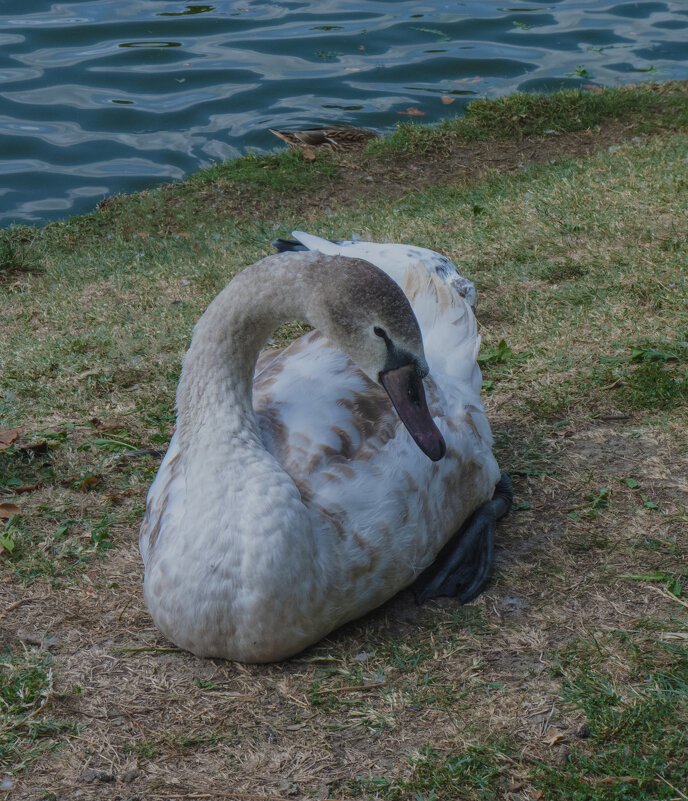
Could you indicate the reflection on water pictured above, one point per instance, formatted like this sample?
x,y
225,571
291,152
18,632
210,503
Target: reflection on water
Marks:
x,y
104,96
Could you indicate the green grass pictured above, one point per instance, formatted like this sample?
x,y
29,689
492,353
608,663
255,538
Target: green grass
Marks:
x,y
17,252
26,731
635,747
520,114
638,744
478,771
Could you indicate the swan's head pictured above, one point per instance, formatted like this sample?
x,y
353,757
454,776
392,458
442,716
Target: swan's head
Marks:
x,y
368,316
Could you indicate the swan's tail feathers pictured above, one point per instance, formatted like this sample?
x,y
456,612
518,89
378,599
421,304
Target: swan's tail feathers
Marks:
x,y
462,568
287,245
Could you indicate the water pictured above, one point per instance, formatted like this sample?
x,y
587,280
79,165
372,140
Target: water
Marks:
x,y
105,96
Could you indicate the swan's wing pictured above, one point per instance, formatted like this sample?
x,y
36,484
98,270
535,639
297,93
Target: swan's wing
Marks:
x,y
395,259
315,408
380,508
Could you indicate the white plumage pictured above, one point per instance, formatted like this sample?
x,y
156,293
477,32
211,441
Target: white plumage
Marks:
x,y
275,519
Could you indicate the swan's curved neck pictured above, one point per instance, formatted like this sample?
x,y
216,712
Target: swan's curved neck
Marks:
x,y
217,373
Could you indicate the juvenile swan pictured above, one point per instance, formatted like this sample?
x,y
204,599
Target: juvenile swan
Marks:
x,y
296,498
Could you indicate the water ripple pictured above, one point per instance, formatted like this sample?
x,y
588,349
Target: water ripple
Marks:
x,y
103,96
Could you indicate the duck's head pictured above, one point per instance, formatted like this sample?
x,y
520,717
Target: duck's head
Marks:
x,y
368,316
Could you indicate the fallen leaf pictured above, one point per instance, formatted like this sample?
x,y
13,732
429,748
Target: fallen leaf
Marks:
x,y
116,497
474,79
88,483
8,437
24,488
447,99
9,509
554,738
412,111
308,153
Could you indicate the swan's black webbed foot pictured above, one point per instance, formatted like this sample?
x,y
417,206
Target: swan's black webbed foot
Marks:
x,y
462,567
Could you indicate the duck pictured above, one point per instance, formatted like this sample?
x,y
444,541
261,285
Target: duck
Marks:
x,y
305,487
333,138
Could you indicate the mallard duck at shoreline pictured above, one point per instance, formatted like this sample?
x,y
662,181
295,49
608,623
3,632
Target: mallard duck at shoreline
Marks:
x,y
333,138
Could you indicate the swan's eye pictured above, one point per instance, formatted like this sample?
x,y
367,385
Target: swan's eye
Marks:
x,y
380,332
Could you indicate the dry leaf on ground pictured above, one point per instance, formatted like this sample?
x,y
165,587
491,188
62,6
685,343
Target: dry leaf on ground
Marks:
x,y
8,437
9,509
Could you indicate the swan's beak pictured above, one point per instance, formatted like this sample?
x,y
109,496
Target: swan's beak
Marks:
x,y
405,389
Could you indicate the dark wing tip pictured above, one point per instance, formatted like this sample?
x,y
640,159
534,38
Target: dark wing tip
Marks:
x,y
287,245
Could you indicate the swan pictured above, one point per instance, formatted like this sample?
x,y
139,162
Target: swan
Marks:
x,y
305,487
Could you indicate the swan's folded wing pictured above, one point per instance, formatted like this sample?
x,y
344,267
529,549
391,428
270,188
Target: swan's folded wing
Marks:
x,y
316,409
380,508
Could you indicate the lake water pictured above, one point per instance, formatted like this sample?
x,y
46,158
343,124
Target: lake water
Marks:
x,y
105,96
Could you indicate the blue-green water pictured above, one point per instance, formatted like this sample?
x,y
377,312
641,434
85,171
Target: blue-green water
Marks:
x,y
105,96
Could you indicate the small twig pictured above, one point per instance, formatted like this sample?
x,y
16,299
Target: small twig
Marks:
x,y
351,687
612,385
141,452
18,603
669,595
124,608
675,789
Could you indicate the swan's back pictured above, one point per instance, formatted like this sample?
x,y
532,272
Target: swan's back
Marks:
x,y
395,259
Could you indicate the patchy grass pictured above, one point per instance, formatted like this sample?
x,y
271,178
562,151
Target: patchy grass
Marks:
x,y
567,677
26,731
633,688
17,252
521,115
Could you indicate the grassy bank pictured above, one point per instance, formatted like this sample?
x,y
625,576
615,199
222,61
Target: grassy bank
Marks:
x,y
568,678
